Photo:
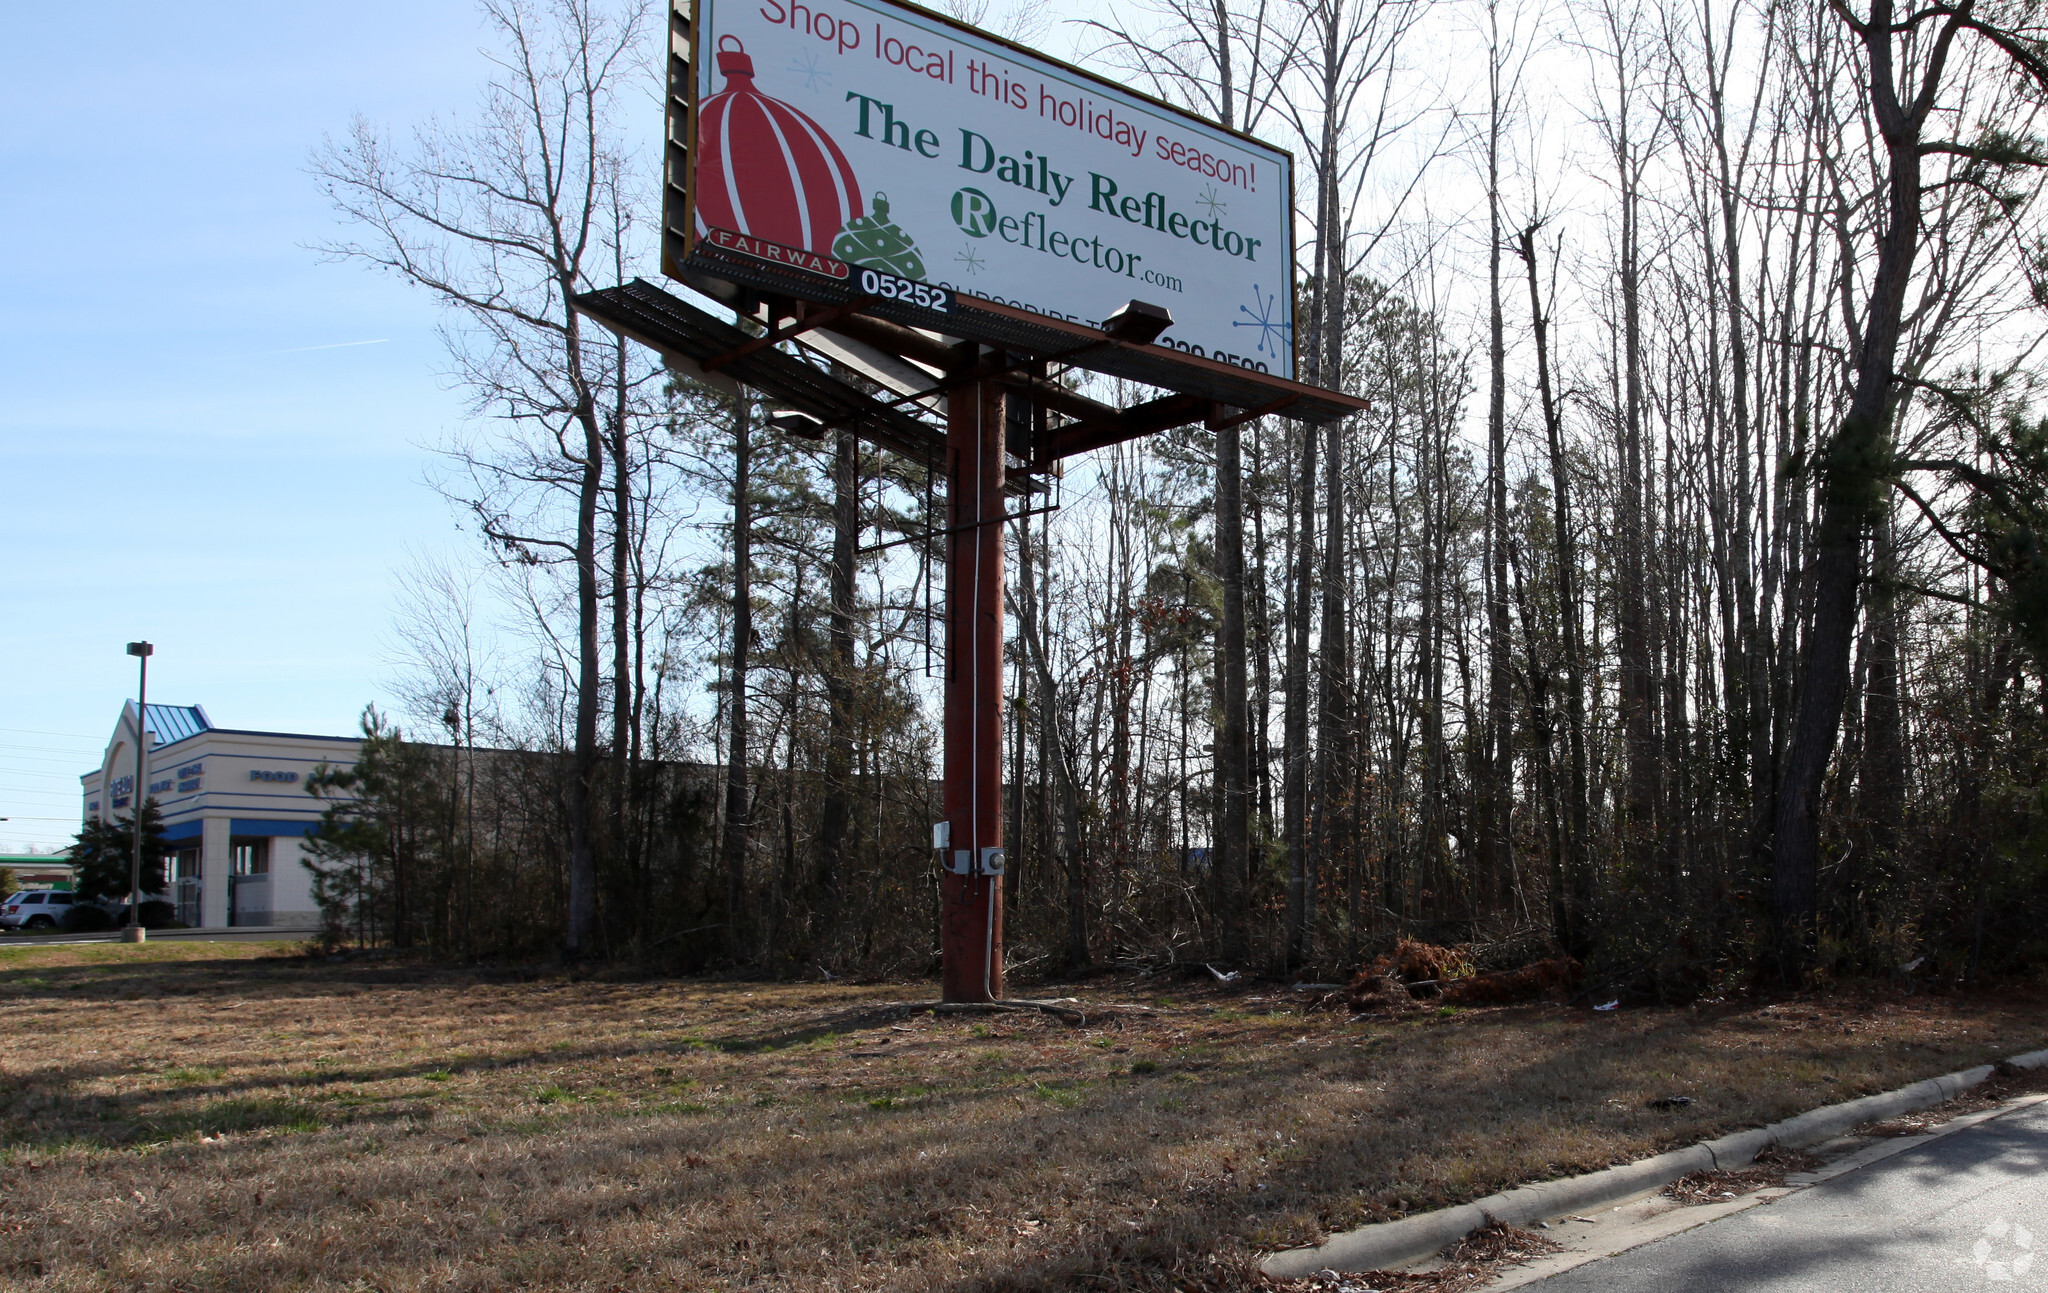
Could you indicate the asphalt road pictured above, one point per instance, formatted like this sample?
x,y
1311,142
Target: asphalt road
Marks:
x,y
1966,1210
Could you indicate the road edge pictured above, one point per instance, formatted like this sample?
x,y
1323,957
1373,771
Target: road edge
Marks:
x,y
1388,1244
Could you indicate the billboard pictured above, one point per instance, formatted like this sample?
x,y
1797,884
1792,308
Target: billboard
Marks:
x,y
880,150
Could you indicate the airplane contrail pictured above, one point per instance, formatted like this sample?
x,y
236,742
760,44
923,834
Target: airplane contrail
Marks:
x,y
338,345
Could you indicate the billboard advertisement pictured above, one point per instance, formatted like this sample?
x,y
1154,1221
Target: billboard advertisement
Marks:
x,y
893,152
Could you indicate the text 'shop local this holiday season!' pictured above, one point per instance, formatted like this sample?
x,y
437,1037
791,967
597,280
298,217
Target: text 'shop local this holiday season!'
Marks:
x,y
840,135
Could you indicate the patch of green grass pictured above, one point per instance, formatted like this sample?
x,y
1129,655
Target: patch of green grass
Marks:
x,y
1445,1012
1142,1066
356,1099
438,1075
1058,1095
223,1116
882,1102
1102,1043
553,1046
979,1030
187,1073
552,1094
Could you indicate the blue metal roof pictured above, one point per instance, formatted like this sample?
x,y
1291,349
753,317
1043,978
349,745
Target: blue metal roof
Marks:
x,y
176,722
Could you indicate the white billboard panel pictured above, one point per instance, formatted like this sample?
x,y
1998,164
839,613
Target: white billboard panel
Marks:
x,y
841,135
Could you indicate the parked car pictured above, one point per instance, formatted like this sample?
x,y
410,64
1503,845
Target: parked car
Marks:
x,y
35,908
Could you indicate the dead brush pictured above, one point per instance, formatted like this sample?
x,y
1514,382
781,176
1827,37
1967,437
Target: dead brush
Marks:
x,y
1471,1263
1372,993
1385,985
1415,962
1768,1169
1508,987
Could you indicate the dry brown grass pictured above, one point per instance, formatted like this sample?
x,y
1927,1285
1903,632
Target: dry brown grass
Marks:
x,y
188,1118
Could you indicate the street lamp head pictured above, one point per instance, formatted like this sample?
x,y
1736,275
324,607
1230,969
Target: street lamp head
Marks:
x,y
141,649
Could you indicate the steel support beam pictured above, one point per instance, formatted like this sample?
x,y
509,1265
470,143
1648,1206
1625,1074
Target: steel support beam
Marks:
x,y
971,870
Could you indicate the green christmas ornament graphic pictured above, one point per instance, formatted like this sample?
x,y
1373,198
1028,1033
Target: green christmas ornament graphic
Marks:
x,y
876,242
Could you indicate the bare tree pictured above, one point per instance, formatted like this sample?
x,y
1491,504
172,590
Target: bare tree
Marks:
x,y
1910,59
503,221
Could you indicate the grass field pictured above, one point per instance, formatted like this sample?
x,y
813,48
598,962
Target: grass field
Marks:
x,y
231,1116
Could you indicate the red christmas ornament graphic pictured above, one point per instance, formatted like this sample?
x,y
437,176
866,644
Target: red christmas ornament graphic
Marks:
x,y
766,170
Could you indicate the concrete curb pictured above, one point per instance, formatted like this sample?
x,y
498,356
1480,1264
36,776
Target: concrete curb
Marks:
x,y
225,934
1391,1243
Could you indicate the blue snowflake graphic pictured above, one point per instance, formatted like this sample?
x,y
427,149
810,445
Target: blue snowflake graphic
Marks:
x,y
1272,332
1213,200
811,70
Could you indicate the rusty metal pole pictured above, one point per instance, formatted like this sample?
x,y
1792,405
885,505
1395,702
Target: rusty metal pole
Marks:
x,y
970,877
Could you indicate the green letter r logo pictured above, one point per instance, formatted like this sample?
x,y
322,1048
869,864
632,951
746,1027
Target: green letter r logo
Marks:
x,y
974,213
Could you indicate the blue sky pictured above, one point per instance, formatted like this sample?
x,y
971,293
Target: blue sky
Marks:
x,y
193,448
208,436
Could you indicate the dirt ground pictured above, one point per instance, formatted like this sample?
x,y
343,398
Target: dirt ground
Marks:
x,y
233,1116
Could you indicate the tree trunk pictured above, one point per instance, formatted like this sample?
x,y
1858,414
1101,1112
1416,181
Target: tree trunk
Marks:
x,y
835,825
1882,776
1496,806
1333,718
738,798
622,618
1233,852
1852,473
583,759
1301,873
1055,750
1571,905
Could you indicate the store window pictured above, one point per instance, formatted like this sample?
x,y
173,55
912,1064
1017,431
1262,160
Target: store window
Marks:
x,y
185,865
250,857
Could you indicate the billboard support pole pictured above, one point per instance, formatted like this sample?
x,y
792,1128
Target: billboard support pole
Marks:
x,y
971,870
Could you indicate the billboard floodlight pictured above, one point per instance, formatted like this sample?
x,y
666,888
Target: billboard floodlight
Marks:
x,y
797,423
1138,322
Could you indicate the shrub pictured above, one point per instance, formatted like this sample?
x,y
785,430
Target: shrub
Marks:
x,y
86,918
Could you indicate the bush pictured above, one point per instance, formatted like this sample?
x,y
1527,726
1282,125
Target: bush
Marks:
x,y
86,918
156,914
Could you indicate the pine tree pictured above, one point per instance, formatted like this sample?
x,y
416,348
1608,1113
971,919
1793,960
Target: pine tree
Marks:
x,y
104,852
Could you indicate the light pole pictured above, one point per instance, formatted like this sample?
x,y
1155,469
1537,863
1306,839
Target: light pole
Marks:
x,y
142,651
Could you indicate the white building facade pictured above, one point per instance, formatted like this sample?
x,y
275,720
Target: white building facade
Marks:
x,y
235,808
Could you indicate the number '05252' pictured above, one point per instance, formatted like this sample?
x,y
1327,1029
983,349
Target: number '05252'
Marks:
x,y
902,289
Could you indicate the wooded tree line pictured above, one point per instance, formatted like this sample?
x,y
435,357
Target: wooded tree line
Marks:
x,y
1677,604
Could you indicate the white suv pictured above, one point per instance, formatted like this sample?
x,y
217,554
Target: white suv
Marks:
x,y
35,909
